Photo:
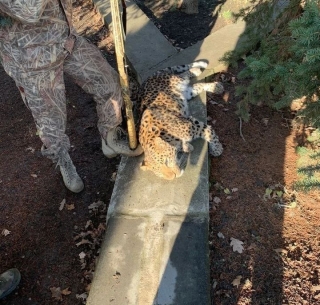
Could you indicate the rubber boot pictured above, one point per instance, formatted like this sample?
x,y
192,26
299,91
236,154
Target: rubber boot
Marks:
x,y
69,174
114,145
9,281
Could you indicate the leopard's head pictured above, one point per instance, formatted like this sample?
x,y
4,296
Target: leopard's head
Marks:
x,y
162,170
160,158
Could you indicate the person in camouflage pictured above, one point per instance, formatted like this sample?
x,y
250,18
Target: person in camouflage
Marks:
x,y
38,44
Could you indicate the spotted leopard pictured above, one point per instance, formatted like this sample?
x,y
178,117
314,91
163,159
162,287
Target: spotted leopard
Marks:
x,y
166,128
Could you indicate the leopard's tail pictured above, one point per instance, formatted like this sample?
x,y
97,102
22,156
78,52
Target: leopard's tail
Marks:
x,y
201,64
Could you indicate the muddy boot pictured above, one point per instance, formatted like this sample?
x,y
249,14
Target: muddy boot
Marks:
x,y
9,281
69,174
116,144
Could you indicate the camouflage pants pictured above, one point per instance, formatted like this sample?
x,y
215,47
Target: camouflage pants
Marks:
x,y
44,94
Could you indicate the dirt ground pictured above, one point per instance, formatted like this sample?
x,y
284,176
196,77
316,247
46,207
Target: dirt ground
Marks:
x,y
254,201
264,235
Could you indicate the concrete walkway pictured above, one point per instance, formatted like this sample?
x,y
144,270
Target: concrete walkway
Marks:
x,y
155,250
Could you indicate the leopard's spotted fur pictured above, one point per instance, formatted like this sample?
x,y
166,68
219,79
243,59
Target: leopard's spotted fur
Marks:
x,y
166,127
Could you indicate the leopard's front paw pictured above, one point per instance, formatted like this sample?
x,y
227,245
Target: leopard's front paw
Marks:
x,y
187,147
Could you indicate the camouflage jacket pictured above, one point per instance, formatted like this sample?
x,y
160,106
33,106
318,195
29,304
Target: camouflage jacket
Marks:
x,y
39,36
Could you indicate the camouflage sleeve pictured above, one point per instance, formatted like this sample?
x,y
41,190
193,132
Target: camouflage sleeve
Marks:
x,y
26,11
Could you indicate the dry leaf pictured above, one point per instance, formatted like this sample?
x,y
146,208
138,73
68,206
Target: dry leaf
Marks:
x,y
62,203
56,293
236,245
227,191
30,149
101,227
315,288
220,235
292,205
82,242
210,196
113,177
70,207
267,194
82,296
89,223
265,121
218,186
66,291
216,200
281,251
214,283
95,205
237,281
5,232
226,96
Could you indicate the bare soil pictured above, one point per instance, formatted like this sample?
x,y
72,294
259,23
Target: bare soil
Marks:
x,y
279,263
45,228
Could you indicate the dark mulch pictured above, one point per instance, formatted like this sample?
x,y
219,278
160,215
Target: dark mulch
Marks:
x,y
181,29
279,263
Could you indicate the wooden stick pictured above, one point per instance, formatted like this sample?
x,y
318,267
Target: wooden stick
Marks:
x,y
118,36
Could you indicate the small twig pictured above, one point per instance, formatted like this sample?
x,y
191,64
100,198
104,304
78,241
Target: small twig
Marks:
x,y
241,130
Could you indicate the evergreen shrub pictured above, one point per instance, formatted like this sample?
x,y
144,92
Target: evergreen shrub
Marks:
x,y
282,61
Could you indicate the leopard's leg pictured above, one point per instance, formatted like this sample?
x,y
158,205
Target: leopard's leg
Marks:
x,y
204,131
174,141
178,142
187,147
192,91
201,64
188,129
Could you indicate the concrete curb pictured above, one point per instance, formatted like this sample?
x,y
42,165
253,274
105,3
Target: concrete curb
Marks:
x,y
155,249
156,245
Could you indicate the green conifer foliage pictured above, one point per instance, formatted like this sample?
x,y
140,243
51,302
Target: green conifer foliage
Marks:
x,y
286,64
306,57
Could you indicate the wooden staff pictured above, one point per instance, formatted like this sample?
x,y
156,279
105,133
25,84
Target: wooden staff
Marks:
x,y
118,36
